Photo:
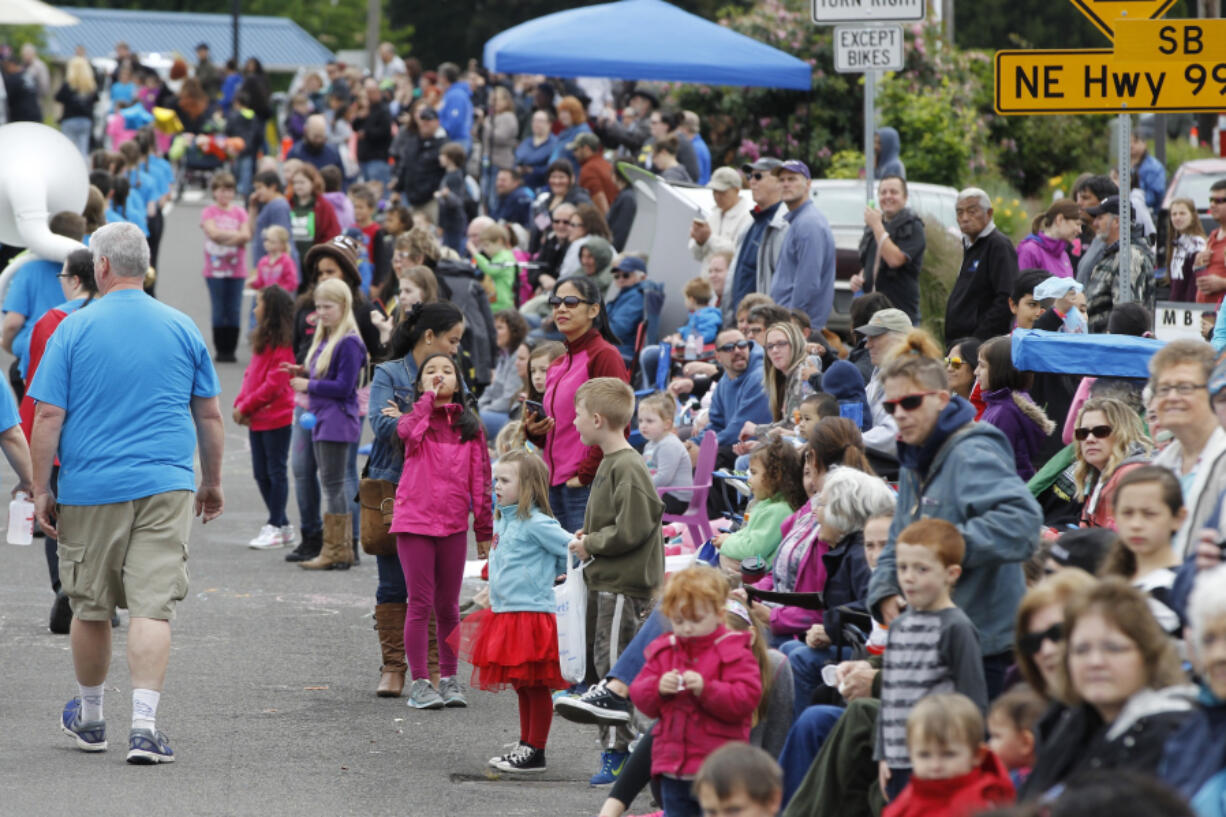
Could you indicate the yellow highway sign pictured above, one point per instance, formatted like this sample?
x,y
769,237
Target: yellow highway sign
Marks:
x,y
1168,40
1091,81
1105,14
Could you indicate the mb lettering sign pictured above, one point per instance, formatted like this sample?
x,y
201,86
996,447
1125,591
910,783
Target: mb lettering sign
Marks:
x,y
861,48
1178,321
862,11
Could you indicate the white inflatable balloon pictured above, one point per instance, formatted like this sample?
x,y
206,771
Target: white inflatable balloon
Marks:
x,y
41,173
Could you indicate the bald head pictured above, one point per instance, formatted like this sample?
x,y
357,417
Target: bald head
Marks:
x,y
316,130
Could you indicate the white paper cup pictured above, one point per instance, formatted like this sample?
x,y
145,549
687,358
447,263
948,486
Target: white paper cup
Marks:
x,y
830,675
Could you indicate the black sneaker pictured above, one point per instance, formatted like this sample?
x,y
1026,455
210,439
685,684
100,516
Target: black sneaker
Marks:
x,y
598,705
61,614
523,759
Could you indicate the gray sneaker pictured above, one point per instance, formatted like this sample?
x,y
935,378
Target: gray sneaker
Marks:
x,y
451,692
422,695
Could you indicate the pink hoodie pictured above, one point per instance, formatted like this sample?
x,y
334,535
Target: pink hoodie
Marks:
x,y
444,478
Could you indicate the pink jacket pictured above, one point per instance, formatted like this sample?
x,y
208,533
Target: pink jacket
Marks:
x,y
810,573
693,726
266,396
444,478
283,272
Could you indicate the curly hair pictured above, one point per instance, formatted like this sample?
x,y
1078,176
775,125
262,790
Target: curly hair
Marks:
x,y
783,471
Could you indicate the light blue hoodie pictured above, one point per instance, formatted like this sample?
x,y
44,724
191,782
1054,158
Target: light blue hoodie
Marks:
x,y
527,555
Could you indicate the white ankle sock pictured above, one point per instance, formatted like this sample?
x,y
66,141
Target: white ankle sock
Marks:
x,y
91,703
145,708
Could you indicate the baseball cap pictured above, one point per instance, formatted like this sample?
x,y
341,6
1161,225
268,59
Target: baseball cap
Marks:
x,y
726,178
793,166
886,320
1084,548
765,163
204,46
587,140
1111,205
647,95
631,263
427,112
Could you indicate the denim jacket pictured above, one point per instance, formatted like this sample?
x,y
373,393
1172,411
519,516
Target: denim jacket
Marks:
x,y
392,381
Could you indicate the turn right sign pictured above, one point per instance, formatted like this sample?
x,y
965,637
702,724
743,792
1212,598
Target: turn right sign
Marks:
x,y
1104,13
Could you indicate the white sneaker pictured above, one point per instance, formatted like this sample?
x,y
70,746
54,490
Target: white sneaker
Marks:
x,y
288,535
270,537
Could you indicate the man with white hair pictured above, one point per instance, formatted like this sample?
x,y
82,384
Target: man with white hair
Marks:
x,y
389,65
979,303
126,394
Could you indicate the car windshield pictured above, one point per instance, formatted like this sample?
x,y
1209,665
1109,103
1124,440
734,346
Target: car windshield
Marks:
x,y
1195,186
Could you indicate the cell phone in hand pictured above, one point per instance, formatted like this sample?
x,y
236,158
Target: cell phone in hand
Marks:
x,y
536,408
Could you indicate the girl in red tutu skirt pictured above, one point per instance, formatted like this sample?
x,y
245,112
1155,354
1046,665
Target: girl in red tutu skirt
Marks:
x,y
514,642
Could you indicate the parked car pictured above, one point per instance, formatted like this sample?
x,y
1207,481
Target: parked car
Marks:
x,y
1191,181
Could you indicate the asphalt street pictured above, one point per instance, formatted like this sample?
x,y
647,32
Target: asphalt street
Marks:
x,y
269,702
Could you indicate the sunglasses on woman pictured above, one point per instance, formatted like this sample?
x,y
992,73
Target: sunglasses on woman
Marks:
x,y
956,362
908,403
1031,643
1101,432
570,301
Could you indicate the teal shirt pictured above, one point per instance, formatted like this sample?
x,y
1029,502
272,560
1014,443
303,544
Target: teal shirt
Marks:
x,y
761,535
527,555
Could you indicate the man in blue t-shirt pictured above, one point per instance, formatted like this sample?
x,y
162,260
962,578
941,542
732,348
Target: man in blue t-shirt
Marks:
x,y
126,394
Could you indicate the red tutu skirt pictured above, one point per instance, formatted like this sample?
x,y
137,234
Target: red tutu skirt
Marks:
x,y
512,650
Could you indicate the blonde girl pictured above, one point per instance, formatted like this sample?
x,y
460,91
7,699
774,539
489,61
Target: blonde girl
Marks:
x,y
1185,238
1111,441
334,364
78,95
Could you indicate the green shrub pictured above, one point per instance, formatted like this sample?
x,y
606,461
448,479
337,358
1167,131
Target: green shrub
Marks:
x,y
942,259
846,164
1032,149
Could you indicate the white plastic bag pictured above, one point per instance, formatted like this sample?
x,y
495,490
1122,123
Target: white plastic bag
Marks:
x,y
571,598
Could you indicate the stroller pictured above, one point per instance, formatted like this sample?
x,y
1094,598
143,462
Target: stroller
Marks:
x,y
199,156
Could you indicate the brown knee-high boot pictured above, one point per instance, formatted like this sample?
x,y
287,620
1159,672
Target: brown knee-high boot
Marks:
x,y
337,553
389,623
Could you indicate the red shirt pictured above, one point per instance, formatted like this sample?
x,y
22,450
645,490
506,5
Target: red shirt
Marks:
x,y
596,176
980,789
1216,246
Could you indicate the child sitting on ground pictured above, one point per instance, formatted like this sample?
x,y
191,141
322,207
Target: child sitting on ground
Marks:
x,y
667,460
700,680
621,535
1011,730
776,476
741,780
932,645
954,773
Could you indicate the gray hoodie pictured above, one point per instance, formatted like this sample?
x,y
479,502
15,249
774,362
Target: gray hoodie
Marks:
x,y
888,163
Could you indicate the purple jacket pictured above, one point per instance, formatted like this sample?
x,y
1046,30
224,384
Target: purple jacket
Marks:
x,y
334,396
1023,423
1037,251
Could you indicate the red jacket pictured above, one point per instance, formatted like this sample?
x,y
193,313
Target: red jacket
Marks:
x,y
692,727
39,335
266,396
983,788
444,478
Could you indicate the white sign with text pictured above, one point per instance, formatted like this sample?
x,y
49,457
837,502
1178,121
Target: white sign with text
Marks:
x,y
863,11
866,48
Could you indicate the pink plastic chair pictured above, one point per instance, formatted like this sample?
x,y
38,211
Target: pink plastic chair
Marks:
x,y
695,516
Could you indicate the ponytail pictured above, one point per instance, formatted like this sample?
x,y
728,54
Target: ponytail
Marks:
x,y
918,358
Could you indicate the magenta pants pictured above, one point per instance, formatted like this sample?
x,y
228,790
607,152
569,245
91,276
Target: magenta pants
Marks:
x,y
433,572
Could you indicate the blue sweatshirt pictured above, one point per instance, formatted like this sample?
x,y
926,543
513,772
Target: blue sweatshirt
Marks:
x,y
706,321
455,115
737,401
804,276
527,555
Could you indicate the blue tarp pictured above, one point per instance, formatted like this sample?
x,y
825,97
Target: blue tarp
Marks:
x,y
1092,355
642,39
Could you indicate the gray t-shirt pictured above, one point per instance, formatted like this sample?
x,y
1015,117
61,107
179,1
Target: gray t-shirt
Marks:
x,y
669,464
926,653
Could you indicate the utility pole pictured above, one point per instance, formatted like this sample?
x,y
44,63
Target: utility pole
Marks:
x,y
236,8
947,17
374,11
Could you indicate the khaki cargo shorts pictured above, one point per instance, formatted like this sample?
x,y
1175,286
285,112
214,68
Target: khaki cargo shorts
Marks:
x,y
125,554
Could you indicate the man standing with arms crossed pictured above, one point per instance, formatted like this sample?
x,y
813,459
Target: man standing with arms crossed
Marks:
x,y
125,391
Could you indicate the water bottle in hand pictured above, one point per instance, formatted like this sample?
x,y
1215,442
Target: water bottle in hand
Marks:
x,y
21,520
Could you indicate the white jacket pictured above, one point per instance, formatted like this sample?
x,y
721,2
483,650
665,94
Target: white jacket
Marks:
x,y
1202,499
726,224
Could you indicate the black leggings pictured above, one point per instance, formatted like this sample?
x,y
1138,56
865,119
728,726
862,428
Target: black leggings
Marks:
x,y
636,774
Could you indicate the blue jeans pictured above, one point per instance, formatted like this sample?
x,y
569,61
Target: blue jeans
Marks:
x,y
226,295
805,740
245,165
377,170
306,478
269,456
78,129
807,666
630,663
994,669
351,491
494,421
676,797
391,588
569,505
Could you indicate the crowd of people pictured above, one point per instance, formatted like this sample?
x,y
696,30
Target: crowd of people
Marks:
x,y
935,583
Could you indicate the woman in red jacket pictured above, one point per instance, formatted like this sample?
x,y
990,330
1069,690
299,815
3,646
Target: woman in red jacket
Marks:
x,y
312,218
591,351
265,404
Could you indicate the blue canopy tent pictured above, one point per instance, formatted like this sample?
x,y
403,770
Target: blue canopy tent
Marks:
x,y
1094,355
642,39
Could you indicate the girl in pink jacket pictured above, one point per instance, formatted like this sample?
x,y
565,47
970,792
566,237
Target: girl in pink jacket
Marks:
x,y
446,476
701,680
265,404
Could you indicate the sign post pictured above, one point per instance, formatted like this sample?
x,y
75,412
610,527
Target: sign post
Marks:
x,y
1125,169
867,49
